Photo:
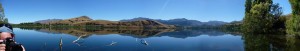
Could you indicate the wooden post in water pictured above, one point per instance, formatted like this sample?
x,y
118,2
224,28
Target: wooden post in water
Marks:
x,y
60,44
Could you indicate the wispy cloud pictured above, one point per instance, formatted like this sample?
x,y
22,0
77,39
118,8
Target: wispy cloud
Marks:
x,y
163,7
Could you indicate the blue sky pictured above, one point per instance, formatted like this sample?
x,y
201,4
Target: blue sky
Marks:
x,y
18,11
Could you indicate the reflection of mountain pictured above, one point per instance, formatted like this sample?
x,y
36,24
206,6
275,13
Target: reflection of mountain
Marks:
x,y
193,33
138,33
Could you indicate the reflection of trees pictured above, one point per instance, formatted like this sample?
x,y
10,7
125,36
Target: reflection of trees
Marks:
x,y
293,44
31,28
262,42
256,42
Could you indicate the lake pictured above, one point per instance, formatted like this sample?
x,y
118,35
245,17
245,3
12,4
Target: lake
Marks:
x,y
150,40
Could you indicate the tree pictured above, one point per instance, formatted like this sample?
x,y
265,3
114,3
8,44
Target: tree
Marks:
x,y
248,5
276,11
279,19
5,20
295,6
293,24
258,18
261,1
2,16
261,16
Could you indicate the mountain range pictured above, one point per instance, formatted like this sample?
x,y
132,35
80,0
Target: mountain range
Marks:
x,y
47,21
181,22
176,22
86,21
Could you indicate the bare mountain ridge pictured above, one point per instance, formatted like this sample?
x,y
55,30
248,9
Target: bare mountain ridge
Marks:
x,y
176,22
85,20
47,21
181,22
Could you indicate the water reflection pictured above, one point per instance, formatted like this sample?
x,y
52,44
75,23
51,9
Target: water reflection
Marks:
x,y
60,44
292,43
144,42
112,43
84,33
137,33
78,41
270,42
170,40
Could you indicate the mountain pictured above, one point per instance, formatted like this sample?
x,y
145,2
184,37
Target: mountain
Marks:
x,y
181,22
86,21
214,23
135,19
47,21
132,22
73,20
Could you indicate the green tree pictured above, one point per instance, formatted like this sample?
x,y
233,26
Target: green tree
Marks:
x,y
261,1
276,11
257,17
248,5
260,16
2,16
293,24
258,20
279,19
5,20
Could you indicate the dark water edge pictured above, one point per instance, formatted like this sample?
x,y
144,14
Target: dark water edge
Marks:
x,y
158,40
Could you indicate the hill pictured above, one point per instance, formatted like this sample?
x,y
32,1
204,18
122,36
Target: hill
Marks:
x,y
86,21
47,21
181,22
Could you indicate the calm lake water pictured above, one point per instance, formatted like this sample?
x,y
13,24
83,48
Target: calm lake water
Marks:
x,y
149,40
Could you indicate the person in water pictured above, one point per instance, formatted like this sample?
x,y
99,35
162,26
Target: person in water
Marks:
x,y
7,42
